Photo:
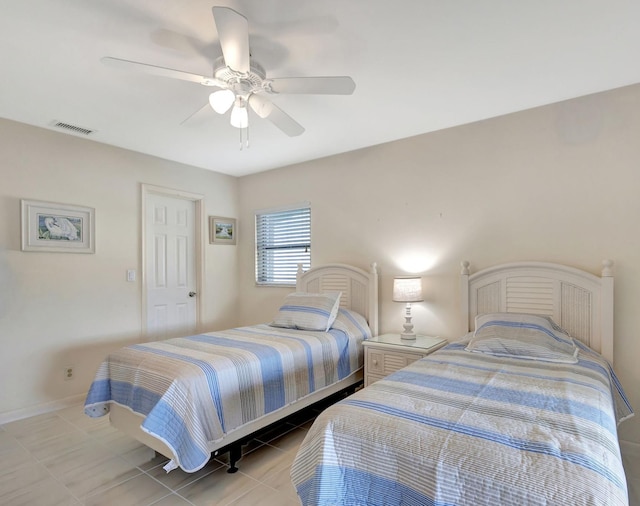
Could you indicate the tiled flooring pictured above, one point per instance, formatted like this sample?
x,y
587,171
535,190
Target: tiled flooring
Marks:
x,y
66,458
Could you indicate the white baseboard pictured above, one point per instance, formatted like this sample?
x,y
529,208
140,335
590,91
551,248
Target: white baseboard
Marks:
x,y
47,407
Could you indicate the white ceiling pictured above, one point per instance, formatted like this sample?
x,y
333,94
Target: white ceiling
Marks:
x,y
419,66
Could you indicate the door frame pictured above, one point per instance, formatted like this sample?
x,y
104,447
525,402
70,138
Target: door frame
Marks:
x,y
199,233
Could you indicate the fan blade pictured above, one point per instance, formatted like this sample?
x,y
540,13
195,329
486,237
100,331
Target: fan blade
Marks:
x,y
200,117
162,71
338,85
264,108
233,31
285,122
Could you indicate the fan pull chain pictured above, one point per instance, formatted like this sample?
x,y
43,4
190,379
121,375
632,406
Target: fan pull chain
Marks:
x,y
246,142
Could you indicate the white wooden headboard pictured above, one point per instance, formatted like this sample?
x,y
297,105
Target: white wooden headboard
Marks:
x,y
359,288
579,301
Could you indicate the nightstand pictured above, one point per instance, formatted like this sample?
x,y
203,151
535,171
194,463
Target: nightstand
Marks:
x,y
387,353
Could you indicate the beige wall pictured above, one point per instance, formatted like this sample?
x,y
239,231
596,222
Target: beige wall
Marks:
x,y
60,309
558,183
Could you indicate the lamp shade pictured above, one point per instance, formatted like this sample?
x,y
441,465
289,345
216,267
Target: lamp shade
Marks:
x,y
222,100
407,289
239,117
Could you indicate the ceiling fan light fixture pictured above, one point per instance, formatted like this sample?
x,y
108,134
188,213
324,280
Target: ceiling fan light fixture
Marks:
x,y
260,105
239,116
222,100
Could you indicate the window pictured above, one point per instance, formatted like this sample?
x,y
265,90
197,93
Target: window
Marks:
x,y
283,240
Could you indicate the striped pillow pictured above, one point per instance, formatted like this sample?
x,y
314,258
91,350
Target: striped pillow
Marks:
x,y
308,311
519,335
351,323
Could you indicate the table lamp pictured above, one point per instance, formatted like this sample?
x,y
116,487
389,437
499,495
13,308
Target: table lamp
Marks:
x,y
407,290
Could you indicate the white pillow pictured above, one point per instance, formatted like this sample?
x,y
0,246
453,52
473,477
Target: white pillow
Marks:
x,y
520,335
308,311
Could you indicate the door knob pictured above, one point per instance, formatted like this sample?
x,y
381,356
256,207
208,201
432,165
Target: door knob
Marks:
x,y
192,294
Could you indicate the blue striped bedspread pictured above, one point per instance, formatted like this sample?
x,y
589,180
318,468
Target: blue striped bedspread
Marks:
x,y
461,428
195,390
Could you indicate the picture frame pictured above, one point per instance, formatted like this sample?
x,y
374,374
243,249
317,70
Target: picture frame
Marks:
x,y
222,230
57,228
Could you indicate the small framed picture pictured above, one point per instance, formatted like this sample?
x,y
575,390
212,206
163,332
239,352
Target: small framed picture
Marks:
x,y
51,227
222,230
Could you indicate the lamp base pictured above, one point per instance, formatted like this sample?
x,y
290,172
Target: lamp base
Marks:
x,y
408,333
408,337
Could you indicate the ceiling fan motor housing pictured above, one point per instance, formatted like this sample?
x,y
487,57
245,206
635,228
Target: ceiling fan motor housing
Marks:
x,y
241,83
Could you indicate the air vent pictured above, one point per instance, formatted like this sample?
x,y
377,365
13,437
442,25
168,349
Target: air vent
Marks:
x,y
72,128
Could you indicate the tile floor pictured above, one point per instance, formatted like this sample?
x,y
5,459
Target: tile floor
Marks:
x,y
66,458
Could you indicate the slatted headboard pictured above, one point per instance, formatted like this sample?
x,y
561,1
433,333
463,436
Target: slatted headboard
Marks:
x,y
579,301
359,288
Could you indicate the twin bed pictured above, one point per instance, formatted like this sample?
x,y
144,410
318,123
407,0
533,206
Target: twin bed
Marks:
x,y
523,409
515,412
193,397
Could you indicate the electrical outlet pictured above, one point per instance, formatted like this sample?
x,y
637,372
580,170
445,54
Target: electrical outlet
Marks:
x,y
69,373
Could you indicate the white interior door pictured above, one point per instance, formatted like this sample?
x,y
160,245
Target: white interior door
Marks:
x,y
170,266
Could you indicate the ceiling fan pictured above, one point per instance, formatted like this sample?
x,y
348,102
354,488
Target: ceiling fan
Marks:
x,y
242,81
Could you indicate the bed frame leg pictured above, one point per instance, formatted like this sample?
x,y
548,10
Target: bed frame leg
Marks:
x,y
235,454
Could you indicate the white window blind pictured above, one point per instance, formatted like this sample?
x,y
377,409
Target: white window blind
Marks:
x,y
283,240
